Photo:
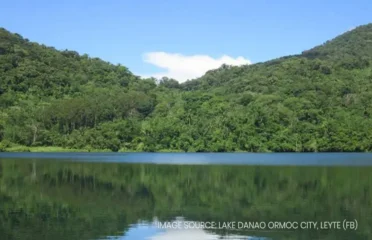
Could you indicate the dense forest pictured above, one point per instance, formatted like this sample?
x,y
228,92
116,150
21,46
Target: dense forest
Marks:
x,y
316,101
79,200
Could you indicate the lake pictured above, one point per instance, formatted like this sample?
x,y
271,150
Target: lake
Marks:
x,y
137,196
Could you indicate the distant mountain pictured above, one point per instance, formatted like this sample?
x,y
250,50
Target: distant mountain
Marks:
x,y
319,100
26,66
354,43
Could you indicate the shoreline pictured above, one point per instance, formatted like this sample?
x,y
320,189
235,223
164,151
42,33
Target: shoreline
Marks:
x,y
54,149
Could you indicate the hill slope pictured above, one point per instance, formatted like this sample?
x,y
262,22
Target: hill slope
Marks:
x,y
319,100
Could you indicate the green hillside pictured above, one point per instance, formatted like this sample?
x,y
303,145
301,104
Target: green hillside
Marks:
x,y
319,100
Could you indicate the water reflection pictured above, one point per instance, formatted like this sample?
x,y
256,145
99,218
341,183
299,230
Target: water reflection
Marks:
x,y
263,159
57,200
140,231
180,229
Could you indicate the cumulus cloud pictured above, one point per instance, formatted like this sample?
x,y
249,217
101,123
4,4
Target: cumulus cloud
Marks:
x,y
182,68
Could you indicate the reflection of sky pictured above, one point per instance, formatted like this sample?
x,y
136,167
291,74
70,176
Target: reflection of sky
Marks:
x,y
138,232
150,231
274,159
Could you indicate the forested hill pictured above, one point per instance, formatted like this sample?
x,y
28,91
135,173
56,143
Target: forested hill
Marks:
x,y
319,100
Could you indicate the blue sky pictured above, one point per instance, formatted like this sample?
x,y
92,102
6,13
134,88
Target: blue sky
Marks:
x,y
182,38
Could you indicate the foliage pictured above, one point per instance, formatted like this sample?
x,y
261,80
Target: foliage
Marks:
x,y
319,100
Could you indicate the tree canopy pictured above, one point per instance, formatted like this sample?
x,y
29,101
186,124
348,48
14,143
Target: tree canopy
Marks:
x,y
319,100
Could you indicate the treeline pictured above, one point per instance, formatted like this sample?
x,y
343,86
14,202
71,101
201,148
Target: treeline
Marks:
x,y
319,100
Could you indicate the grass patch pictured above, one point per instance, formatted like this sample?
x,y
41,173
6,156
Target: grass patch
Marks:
x,y
20,148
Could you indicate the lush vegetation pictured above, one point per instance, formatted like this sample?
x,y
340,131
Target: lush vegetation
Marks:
x,y
319,100
70,200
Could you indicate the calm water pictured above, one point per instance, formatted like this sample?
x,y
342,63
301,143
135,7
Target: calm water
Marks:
x,y
295,159
214,196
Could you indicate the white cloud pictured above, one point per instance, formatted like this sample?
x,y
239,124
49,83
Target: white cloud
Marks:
x,y
350,29
182,68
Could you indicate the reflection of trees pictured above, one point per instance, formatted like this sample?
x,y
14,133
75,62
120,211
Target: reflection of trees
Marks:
x,y
87,200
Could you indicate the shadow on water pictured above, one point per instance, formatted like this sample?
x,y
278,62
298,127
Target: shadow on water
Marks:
x,y
42,199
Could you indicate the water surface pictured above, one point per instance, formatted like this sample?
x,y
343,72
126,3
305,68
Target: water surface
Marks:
x,y
108,196
294,159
